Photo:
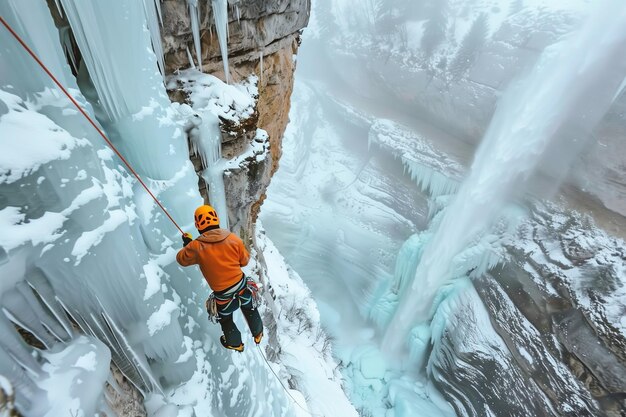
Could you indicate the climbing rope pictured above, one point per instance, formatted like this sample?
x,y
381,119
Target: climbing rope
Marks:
x,y
283,385
109,143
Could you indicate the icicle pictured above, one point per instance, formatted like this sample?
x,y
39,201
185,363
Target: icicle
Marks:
x,y
195,29
220,14
158,9
152,8
190,58
208,145
47,320
430,180
66,41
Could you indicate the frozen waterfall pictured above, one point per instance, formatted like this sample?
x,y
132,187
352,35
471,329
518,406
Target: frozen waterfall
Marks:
x,y
547,110
86,257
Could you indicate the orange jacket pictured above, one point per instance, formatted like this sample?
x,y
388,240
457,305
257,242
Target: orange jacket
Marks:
x,y
220,255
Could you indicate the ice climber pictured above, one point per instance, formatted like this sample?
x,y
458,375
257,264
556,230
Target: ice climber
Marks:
x,y
220,255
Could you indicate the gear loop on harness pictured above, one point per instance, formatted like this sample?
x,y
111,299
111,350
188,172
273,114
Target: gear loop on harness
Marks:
x,y
230,295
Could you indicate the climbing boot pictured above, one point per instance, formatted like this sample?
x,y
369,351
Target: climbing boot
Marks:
x,y
258,337
227,346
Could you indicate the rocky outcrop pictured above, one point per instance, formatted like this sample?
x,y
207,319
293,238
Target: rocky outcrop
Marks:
x,y
263,40
7,399
557,311
123,398
559,306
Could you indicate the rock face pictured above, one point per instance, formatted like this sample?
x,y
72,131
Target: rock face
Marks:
x,y
557,308
122,397
263,40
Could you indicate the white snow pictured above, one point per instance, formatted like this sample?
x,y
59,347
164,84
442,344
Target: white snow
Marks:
x,y
16,231
162,317
232,102
88,361
302,350
153,274
74,379
29,139
92,238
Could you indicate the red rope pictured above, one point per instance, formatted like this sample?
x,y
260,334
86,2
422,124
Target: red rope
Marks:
x,y
130,168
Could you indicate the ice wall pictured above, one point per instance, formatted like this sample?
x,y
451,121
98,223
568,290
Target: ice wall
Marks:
x,y
547,110
84,249
74,235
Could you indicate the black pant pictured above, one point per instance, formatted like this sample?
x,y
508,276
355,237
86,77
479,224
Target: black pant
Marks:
x,y
251,314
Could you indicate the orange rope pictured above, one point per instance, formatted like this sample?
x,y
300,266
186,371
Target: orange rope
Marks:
x,y
130,168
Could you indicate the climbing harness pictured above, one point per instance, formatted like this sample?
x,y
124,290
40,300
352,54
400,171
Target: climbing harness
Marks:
x,y
283,385
254,289
232,295
80,109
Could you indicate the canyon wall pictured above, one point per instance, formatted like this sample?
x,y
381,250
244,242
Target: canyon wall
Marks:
x,y
263,40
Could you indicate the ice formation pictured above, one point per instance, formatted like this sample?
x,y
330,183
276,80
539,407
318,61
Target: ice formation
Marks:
x,y
211,100
194,17
433,171
86,256
154,20
220,14
84,206
547,110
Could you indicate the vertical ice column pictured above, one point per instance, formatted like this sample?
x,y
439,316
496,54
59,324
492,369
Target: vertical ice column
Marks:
x,y
220,14
194,16
548,112
23,15
131,92
154,19
207,143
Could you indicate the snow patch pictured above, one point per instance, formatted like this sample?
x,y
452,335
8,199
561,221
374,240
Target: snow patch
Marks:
x,y
29,139
16,230
162,317
92,238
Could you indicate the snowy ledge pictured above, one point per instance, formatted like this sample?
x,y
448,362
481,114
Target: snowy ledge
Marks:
x,y
432,170
255,152
232,103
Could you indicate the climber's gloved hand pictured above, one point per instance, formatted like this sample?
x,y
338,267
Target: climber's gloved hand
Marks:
x,y
187,239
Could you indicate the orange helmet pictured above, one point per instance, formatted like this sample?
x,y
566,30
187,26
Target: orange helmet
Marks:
x,y
205,216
